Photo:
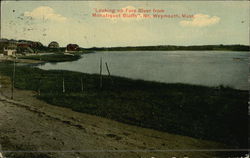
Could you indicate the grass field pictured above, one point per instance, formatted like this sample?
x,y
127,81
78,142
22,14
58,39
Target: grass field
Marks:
x,y
211,113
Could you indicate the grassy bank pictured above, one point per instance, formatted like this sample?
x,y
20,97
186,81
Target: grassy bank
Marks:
x,y
57,57
210,113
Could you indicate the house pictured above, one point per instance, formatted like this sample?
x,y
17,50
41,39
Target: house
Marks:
x,y
10,49
6,46
72,48
53,44
3,44
29,46
14,47
24,48
9,52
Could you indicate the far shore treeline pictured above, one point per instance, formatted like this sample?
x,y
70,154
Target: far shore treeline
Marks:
x,y
173,48
38,47
161,48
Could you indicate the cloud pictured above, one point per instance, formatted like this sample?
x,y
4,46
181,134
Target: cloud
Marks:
x,y
45,12
201,20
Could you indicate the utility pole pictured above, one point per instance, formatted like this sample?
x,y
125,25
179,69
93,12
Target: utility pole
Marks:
x,y
81,84
101,73
40,80
109,72
63,86
13,79
39,84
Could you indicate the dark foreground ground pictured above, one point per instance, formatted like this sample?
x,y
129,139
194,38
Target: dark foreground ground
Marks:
x,y
210,113
31,128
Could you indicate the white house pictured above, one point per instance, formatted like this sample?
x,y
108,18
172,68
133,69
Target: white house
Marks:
x,y
9,52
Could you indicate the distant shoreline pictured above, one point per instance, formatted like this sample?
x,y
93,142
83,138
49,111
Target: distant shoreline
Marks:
x,y
61,57
174,48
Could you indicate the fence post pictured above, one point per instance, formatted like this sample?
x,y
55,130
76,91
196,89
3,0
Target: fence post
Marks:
x,y
13,79
101,73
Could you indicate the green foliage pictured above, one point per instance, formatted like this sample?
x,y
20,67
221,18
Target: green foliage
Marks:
x,y
213,113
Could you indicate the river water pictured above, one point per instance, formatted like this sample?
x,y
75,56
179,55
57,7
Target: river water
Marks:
x,y
210,68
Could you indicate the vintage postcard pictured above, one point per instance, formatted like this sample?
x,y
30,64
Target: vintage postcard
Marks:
x,y
124,79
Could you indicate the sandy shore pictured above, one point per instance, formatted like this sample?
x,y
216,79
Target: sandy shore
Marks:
x,y
26,61
29,124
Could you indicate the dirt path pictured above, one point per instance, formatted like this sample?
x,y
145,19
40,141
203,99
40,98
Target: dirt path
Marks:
x,y
28,124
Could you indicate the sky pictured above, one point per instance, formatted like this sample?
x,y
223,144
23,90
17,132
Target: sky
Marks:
x,y
209,22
